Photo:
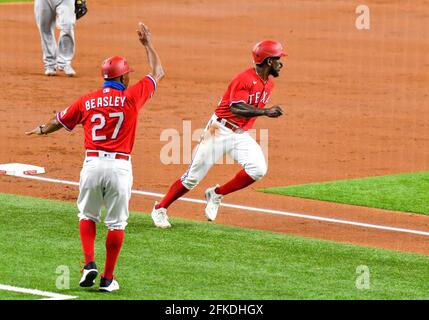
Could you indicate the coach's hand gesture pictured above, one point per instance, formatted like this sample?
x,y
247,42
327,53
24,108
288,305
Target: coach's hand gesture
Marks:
x,y
145,37
38,130
144,34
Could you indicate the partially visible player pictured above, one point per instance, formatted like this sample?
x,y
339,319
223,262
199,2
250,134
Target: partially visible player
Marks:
x,y
109,119
226,132
62,13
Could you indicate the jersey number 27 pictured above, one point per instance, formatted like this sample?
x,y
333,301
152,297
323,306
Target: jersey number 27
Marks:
x,y
101,125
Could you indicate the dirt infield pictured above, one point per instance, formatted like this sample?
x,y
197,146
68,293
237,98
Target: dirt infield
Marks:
x,y
355,100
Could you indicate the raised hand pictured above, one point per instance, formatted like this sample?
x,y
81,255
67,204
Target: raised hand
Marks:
x,y
144,34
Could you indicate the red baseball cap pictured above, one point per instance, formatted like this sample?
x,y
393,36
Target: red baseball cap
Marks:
x,y
266,49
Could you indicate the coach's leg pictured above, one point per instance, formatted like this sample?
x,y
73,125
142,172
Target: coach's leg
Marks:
x,y
208,152
87,229
66,43
89,204
116,198
249,154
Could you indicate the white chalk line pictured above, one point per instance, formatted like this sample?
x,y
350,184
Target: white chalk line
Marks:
x,y
254,209
48,295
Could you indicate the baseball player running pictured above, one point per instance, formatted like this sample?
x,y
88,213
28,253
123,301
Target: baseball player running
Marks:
x,y
226,132
109,119
63,13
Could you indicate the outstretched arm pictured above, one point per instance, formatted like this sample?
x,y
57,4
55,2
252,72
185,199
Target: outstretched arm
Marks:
x,y
52,126
145,38
248,111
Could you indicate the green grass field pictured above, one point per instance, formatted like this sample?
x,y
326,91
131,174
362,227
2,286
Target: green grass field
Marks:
x,y
4,1
196,260
401,192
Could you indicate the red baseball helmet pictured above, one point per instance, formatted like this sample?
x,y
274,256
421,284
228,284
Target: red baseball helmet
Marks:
x,y
115,67
266,49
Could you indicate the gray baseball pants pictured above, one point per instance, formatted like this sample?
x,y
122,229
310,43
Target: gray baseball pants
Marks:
x,y
49,13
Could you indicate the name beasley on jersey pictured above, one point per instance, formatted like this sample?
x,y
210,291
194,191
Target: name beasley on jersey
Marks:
x,y
104,102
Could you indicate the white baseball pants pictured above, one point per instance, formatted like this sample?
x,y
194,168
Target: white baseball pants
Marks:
x,y
215,142
60,12
105,181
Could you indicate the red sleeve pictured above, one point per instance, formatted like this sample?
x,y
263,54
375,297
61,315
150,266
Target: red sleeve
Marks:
x,y
239,91
71,116
140,92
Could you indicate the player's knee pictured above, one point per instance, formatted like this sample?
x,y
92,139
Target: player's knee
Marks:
x,y
257,172
67,27
190,180
89,216
116,225
190,183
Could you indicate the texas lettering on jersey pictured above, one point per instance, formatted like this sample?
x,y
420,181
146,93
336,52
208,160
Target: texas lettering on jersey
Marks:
x,y
109,116
245,87
258,97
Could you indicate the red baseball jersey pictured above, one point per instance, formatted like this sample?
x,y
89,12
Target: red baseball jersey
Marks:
x,y
247,87
109,116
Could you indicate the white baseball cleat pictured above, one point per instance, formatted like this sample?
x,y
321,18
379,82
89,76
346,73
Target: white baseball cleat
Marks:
x,y
50,72
213,202
89,273
68,70
107,285
159,217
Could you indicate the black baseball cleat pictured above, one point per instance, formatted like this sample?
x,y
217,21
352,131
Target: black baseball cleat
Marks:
x,y
90,272
107,285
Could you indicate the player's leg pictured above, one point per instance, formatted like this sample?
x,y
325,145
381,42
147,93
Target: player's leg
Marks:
x,y
211,147
250,156
45,20
116,198
89,203
66,20
248,153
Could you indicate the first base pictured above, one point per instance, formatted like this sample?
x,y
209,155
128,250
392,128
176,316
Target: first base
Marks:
x,y
19,169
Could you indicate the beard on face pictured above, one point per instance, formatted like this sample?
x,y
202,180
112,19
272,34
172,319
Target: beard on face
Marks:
x,y
274,72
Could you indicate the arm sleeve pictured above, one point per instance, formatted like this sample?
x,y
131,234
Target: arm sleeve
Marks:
x,y
140,92
71,116
239,91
